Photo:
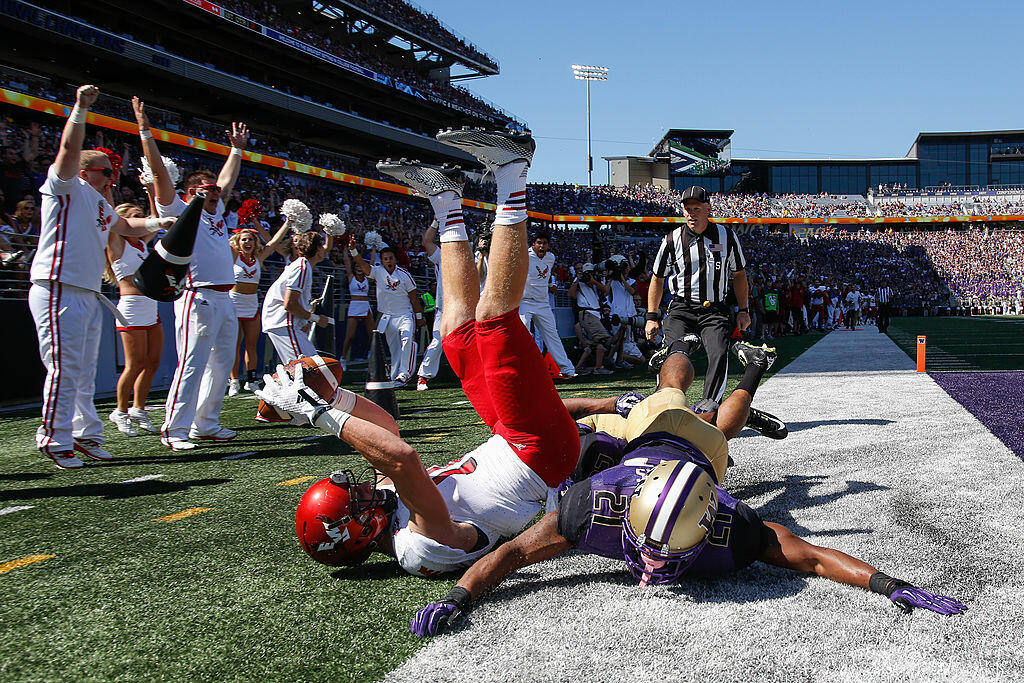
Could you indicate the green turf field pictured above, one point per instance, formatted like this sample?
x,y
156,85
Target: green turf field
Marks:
x,y
222,590
967,344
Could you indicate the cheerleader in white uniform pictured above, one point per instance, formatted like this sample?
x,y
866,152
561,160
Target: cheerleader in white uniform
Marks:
x,y
143,336
249,253
359,310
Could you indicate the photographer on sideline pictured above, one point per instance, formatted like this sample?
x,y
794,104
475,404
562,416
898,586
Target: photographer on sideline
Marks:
x,y
587,291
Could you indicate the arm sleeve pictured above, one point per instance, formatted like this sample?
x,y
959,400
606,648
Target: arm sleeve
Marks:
x,y
174,209
737,261
574,511
53,185
661,260
298,277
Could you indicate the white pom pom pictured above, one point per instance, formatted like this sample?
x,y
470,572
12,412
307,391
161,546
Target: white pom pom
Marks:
x,y
146,177
332,225
373,240
302,219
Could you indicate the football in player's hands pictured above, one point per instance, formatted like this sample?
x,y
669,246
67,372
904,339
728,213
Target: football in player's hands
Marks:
x,y
435,618
288,393
626,402
909,597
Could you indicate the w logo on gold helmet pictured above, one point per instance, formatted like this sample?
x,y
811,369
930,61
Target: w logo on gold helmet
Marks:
x,y
668,521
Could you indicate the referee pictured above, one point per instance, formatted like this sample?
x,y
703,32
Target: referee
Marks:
x,y
698,260
885,297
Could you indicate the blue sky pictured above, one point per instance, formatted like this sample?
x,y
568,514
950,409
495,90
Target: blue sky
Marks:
x,y
793,79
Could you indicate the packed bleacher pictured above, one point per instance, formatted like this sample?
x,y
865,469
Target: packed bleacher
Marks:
x,y
399,13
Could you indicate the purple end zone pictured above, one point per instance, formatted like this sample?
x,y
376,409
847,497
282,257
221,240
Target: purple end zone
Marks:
x,y
995,398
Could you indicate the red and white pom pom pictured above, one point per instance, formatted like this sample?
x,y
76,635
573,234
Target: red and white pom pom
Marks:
x,y
332,225
302,219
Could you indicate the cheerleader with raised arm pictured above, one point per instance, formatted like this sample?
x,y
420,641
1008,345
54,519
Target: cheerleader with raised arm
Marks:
x,y
249,252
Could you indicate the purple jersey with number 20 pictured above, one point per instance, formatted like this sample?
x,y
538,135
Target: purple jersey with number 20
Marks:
x,y
591,511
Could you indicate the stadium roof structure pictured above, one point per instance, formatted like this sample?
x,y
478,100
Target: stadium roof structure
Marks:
x,y
912,152
690,132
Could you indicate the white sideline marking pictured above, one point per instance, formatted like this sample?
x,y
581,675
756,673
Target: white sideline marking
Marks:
x,y
236,456
459,403
145,477
16,508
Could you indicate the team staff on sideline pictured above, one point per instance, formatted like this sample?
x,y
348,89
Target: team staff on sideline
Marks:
x,y
401,310
142,337
205,323
535,308
286,312
249,255
64,296
698,260
431,362
359,311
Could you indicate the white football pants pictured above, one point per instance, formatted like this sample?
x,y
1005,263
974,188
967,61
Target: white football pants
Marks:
x,y
290,343
68,321
543,319
400,333
431,363
205,333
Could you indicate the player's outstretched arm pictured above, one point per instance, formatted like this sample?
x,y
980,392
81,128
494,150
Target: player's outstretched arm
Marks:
x,y
538,543
786,549
621,405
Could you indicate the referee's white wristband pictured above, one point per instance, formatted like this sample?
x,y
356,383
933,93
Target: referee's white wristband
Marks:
x,y
314,318
145,133
78,114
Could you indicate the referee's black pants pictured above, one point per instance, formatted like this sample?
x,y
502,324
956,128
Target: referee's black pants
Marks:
x,y
884,316
714,325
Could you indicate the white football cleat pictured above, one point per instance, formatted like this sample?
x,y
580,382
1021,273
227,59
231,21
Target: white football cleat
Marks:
x,y
219,434
234,387
140,418
123,422
421,384
92,449
176,443
493,148
65,460
428,179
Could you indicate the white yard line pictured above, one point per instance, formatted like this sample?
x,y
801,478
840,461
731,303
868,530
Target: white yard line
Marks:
x,y
16,508
145,477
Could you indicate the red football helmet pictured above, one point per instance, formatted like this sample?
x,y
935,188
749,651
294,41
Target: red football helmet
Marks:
x,y
340,519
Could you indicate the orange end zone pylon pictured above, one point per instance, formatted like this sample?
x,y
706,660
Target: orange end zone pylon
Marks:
x,y
922,344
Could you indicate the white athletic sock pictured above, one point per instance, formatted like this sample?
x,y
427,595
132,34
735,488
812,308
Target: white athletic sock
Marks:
x,y
448,212
511,193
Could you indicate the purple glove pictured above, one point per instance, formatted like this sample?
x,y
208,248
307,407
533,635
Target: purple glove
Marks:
x,y
626,402
439,616
910,597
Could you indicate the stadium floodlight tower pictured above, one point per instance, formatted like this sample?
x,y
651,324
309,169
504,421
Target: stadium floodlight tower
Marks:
x,y
588,74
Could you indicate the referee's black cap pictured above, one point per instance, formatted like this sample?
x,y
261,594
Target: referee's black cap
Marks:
x,y
696,192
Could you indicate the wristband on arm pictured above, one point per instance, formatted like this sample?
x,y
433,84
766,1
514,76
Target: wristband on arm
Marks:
x,y
152,224
314,318
883,584
145,134
652,317
419,316
235,152
78,114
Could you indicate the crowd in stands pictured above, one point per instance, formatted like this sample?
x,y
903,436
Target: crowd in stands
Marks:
x,y
400,13
927,269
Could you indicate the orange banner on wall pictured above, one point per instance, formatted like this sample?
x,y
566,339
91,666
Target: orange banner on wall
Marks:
x,y
199,144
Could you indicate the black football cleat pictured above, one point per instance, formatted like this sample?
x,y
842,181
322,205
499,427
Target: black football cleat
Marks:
x,y
767,424
763,356
426,178
493,148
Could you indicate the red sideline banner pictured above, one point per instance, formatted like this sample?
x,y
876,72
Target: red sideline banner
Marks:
x,y
130,127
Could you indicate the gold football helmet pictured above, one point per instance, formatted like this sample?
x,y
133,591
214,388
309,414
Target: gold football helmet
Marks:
x,y
668,521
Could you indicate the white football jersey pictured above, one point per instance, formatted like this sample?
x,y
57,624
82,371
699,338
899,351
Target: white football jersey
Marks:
x,y
297,276
393,290
435,258
213,262
76,222
491,488
538,277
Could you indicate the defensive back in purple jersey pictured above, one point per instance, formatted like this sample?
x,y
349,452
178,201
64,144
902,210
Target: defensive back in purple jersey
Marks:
x,y
590,516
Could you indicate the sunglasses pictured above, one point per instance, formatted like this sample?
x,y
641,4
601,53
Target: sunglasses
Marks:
x,y
108,172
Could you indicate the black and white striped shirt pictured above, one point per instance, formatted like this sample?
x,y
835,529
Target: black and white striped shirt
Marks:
x,y
699,267
884,295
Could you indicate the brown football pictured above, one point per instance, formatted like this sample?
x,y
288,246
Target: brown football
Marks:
x,y
322,374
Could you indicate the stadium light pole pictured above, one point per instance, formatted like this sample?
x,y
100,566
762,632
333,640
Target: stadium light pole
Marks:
x,y
588,74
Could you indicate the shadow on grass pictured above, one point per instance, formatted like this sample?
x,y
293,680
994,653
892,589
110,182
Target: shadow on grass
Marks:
x,y
377,571
25,476
109,491
814,424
